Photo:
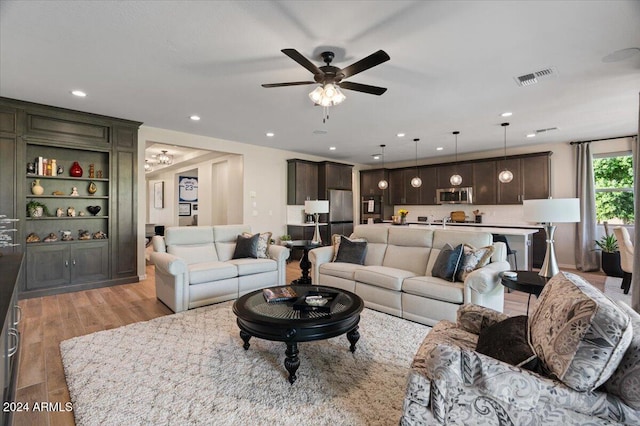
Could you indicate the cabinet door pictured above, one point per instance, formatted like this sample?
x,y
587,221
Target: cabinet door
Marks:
x,y
535,177
124,234
396,187
302,182
510,193
89,262
8,173
411,194
445,172
428,189
48,266
369,181
485,182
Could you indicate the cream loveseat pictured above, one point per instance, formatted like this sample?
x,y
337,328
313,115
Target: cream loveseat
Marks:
x,y
396,277
194,266
585,350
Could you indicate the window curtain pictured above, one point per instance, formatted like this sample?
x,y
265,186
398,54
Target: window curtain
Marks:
x,y
635,276
586,257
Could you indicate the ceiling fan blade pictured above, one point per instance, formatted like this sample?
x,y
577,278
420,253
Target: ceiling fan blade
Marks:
x,y
373,90
364,64
299,58
292,83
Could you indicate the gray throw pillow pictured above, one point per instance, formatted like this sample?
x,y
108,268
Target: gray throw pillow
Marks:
x,y
351,251
246,247
447,262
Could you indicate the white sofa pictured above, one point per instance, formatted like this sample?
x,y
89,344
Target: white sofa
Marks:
x,y
194,266
396,275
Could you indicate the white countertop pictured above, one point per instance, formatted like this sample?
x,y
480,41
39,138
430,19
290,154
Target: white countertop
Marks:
x,y
479,227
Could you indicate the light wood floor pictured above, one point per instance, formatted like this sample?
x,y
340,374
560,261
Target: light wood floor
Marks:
x,y
46,321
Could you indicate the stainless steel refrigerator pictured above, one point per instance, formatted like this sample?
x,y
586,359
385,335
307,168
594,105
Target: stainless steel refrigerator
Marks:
x,y
340,217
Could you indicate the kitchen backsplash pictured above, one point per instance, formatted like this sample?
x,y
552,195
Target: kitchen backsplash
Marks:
x,y
491,214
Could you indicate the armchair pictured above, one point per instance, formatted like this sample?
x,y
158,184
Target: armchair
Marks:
x,y
451,383
626,255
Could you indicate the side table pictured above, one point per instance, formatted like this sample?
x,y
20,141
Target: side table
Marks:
x,y
526,281
305,265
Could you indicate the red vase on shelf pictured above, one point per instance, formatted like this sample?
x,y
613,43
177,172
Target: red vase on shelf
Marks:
x,y
75,170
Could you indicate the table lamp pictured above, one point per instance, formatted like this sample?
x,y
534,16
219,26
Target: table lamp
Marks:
x,y
315,207
549,211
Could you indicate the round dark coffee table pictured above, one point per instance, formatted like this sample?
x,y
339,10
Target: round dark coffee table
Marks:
x,y
526,281
293,321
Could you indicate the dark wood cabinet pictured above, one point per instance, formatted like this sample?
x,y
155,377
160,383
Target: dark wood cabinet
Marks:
x,y
465,170
429,176
485,178
107,147
510,192
302,181
396,187
369,182
530,179
334,176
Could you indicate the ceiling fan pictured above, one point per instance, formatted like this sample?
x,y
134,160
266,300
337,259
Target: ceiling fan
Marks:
x,y
331,78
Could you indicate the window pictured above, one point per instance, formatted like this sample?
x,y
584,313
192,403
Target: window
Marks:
x,y
613,175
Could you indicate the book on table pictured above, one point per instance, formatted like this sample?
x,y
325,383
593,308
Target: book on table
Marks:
x,y
279,294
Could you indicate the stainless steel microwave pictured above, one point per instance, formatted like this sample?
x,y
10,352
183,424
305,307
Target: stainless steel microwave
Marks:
x,y
458,195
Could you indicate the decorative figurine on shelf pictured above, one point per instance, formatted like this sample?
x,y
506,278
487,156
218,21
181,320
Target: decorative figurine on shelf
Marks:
x,y
74,192
59,212
66,236
71,212
33,238
91,171
50,238
99,236
92,188
84,234
60,170
80,213
75,170
31,168
99,176
94,210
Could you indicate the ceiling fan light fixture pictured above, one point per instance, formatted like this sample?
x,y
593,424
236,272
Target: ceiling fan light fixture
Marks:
x,y
327,95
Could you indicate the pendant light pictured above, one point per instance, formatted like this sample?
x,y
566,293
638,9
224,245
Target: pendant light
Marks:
x,y
505,175
383,184
416,182
455,178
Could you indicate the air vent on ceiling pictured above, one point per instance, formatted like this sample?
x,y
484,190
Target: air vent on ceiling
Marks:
x,y
535,77
550,129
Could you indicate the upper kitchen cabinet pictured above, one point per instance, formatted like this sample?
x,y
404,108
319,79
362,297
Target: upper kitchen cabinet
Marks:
x,y
369,181
530,178
400,189
445,171
485,182
427,190
302,181
334,176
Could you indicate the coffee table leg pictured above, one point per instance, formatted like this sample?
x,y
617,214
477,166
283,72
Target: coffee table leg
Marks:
x,y
292,362
353,337
245,338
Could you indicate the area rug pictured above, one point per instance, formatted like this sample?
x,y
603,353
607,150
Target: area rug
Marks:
x,y
613,290
190,368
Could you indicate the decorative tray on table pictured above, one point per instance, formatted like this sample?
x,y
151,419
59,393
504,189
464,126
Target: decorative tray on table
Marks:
x,y
318,301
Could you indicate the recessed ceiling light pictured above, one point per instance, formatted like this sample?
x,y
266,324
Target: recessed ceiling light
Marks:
x,y
400,135
270,134
195,117
78,93
376,156
439,148
531,135
506,114
332,148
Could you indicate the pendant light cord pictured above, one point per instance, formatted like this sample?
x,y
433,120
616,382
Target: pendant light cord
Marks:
x,y
505,139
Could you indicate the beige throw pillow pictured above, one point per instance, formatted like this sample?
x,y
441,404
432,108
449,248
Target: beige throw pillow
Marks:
x,y
472,259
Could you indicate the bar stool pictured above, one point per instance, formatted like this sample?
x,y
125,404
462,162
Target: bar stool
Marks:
x,y
503,239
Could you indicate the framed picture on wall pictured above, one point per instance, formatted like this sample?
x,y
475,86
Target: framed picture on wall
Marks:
x,y
184,209
188,188
158,195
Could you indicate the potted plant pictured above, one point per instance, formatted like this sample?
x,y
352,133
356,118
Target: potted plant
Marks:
x,y
608,245
284,238
37,209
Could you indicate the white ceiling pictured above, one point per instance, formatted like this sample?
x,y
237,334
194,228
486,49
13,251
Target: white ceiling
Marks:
x,y
452,67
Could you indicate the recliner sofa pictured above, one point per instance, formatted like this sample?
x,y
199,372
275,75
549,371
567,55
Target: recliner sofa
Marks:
x,y
194,266
396,277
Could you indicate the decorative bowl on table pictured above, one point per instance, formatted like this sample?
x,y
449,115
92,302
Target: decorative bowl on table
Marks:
x,y
316,300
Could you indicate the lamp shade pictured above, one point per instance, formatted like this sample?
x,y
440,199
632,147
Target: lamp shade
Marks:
x,y
552,210
316,206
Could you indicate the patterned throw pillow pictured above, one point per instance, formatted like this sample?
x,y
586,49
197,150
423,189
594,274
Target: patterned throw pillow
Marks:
x,y
578,333
264,240
625,381
472,259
